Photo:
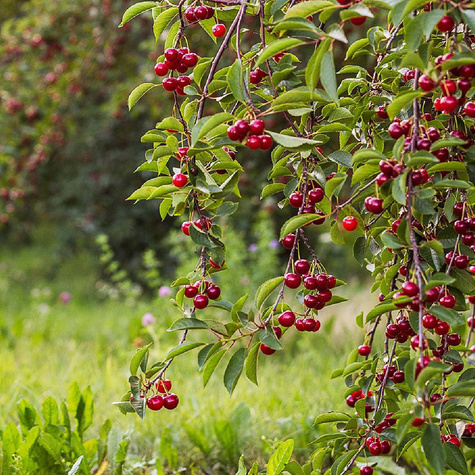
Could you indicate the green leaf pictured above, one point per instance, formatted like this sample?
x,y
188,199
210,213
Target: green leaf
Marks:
x,y
463,388
266,289
139,92
236,81
354,47
464,281
170,123
188,324
161,22
332,417
234,369
342,158
276,47
401,101
137,359
183,348
328,76
469,18
207,124
201,238
136,10
408,440
269,338
399,188
433,449
455,458
314,66
292,142
380,310
305,9
296,222
251,363
211,365
280,457
271,189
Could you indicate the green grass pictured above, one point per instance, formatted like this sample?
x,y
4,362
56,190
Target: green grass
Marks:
x,y
45,345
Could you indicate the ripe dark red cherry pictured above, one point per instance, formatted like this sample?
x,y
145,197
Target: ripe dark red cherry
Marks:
x,y
309,324
183,81
454,339
169,84
312,301
201,13
171,54
469,109
448,87
161,69
410,289
288,241
386,447
253,142
302,266
367,470
395,131
299,325
429,321
292,280
233,133
442,328
200,301
426,83
316,195
185,228
242,127
373,205
266,142
191,291
155,402
447,301
296,199
310,283
218,30
464,85
445,24
287,319
359,20
190,15
170,401
189,60
375,448
213,292
460,226
257,126
381,113
398,377
179,180
364,350
350,223
461,261
266,350
448,104
164,385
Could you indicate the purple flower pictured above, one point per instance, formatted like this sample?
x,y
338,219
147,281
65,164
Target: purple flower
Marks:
x,y
164,291
252,247
65,297
148,319
274,244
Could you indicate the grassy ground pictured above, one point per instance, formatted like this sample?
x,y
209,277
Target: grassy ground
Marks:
x,y
46,344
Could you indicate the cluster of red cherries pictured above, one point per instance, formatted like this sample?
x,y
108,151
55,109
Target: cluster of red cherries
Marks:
x,y
309,202
205,12
202,292
202,224
254,131
179,60
165,398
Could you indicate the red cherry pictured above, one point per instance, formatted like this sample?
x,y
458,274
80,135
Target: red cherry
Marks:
x,y
447,301
375,448
254,77
445,24
359,20
449,104
190,15
367,470
189,59
257,126
464,85
302,266
429,321
266,142
184,81
408,75
292,280
309,324
171,54
395,131
448,87
296,199
410,289
453,439
161,69
312,301
242,127
442,328
200,301
170,401
191,291
287,319
350,223
213,292
373,205
155,402
426,83
233,133
218,30
299,325
381,113
386,447
169,84
253,142
164,385
461,261
185,228
364,350
179,180
310,283
454,339
288,241
201,13
469,109
418,421
266,350
316,195
433,134
398,377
